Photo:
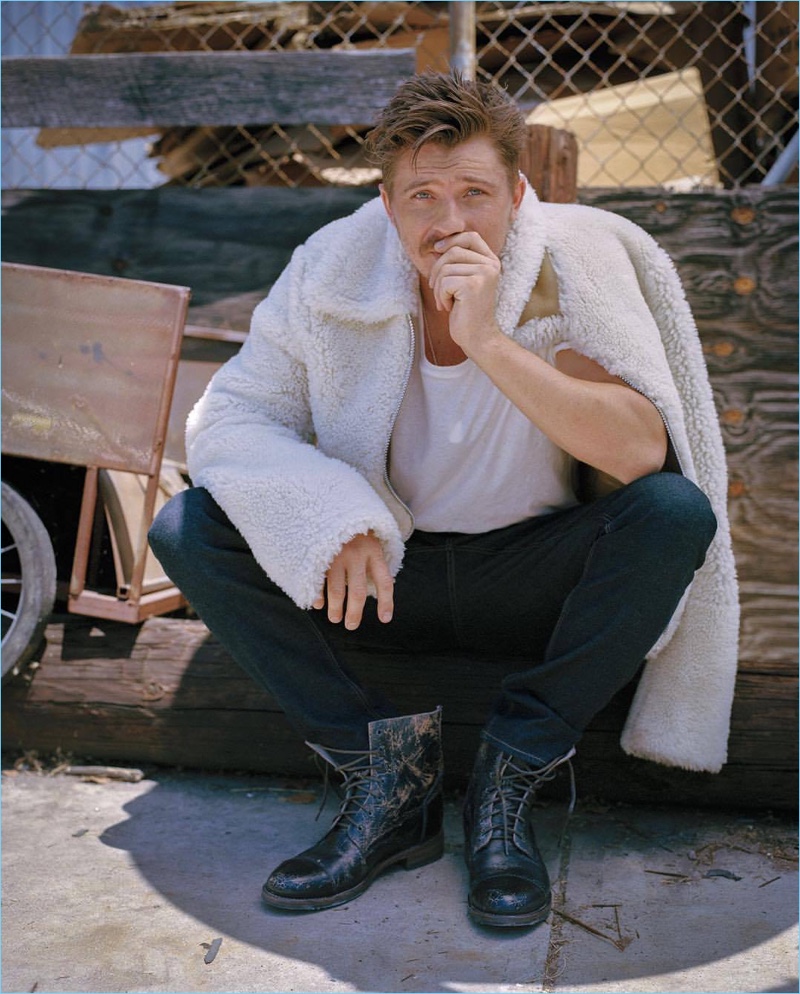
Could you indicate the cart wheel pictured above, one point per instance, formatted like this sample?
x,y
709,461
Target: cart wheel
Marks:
x,y
29,580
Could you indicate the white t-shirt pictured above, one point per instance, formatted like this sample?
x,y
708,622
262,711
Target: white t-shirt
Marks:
x,y
465,459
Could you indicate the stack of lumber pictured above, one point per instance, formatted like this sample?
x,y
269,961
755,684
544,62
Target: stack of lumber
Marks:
x,y
257,153
544,53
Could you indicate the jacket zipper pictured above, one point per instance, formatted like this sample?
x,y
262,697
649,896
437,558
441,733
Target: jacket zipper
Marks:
x,y
395,415
663,418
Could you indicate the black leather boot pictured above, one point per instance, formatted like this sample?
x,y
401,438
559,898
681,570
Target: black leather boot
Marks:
x,y
509,884
391,812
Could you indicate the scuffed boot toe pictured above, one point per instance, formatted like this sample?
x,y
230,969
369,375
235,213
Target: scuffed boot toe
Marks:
x,y
509,883
391,813
300,884
509,901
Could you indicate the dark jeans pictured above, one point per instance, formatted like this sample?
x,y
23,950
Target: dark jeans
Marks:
x,y
580,596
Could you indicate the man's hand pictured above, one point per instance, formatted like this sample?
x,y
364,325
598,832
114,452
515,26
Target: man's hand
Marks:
x,y
464,283
358,561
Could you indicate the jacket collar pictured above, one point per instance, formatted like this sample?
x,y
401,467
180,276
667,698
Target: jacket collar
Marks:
x,y
522,258
362,274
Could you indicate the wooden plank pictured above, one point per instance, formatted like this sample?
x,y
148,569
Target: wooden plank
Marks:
x,y
550,162
229,245
212,24
167,693
736,254
768,635
191,88
256,742
759,412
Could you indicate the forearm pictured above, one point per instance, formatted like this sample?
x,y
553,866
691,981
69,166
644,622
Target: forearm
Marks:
x,y
607,425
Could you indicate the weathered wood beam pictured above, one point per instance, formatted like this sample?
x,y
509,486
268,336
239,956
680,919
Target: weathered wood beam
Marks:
x,y
550,161
200,88
167,693
231,244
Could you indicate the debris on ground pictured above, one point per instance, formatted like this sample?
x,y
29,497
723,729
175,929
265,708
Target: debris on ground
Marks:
x,y
721,873
102,774
620,942
212,948
64,763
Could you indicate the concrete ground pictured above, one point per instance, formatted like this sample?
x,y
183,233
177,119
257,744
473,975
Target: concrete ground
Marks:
x,y
154,886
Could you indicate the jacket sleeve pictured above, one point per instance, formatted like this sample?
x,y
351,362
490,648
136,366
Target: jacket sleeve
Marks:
x,y
249,443
681,711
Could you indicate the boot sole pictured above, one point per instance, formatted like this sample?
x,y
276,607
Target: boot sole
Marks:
x,y
529,919
412,859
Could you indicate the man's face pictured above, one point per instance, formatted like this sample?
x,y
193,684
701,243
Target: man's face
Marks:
x,y
448,191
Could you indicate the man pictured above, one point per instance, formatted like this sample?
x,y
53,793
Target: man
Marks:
x,y
420,386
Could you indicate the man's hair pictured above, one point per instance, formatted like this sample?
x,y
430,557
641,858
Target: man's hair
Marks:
x,y
447,109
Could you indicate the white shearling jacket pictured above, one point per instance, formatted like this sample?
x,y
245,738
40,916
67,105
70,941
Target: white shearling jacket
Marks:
x,y
291,437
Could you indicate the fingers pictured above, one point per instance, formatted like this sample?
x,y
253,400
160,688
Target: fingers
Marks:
x,y
384,588
449,282
336,588
468,240
356,598
359,561
462,270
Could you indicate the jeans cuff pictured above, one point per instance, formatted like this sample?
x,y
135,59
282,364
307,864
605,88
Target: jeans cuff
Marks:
x,y
539,747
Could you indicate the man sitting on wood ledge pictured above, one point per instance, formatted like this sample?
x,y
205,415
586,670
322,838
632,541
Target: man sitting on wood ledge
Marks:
x,y
420,386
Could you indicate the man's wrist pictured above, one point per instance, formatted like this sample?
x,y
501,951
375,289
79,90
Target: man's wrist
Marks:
x,y
488,347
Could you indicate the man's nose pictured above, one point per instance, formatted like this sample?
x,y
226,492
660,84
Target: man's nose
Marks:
x,y
449,219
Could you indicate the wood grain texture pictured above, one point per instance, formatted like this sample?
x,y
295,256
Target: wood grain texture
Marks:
x,y
230,244
167,693
550,161
736,254
190,88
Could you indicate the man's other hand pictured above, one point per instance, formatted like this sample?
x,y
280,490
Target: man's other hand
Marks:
x,y
358,561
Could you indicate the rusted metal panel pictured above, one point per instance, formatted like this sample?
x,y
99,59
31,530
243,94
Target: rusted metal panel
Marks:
x,y
89,365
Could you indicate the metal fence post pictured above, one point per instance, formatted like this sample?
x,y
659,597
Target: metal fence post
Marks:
x,y
462,37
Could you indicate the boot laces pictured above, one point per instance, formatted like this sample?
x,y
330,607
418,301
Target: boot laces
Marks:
x,y
515,787
358,780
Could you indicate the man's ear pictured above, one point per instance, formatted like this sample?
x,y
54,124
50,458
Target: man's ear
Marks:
x,y
385,200
519,191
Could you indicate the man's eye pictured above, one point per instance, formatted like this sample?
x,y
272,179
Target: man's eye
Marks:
x,y
474,192
422,195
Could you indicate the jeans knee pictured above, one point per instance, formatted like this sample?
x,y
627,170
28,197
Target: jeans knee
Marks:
x,y
162,532
680,508
176,524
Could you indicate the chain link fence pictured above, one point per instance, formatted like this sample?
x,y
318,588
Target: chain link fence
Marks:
x,y
672,95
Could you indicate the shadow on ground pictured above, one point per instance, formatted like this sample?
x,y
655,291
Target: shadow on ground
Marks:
x,y
638,892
